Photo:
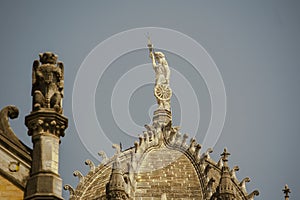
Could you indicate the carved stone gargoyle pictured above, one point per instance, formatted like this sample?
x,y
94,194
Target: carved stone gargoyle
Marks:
x,y
47,83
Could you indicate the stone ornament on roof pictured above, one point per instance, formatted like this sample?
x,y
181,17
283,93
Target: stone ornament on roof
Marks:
x,y
162,90
286,190
47,83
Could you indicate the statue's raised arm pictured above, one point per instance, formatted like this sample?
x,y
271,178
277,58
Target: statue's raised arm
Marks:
x,y
160,66
162,90
151,54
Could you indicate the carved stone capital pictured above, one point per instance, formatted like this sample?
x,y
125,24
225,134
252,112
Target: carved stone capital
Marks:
x,y
43,122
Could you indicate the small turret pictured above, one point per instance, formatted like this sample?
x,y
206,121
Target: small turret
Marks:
x,y
226,190
116,189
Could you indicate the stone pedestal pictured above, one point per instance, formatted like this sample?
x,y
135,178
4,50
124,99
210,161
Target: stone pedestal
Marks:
x,y
46,127
162,116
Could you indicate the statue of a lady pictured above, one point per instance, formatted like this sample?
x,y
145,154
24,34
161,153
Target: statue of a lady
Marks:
x,y
162,90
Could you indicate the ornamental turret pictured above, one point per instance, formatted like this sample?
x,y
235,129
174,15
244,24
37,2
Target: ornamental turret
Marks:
x,y
116,187
226,189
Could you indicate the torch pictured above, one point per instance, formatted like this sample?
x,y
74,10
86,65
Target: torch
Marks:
x,y
150,46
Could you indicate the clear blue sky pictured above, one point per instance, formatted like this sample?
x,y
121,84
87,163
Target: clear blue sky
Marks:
x,y
255,45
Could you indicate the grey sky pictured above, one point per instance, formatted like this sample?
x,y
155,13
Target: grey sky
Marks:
x,y
255,45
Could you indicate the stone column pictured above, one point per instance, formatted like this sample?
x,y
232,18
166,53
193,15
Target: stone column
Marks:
x,y
46,125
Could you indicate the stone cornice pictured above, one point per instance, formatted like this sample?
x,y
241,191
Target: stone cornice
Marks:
x,y
21,153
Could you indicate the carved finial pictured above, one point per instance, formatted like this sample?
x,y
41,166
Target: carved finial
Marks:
x,y
103,155
286,191
7,112
141,141
184,138
136,146
232,172
252,194
172,135
205,155
177,134
90,164
70,189
192,146
224,156
209,150
79,175
243,183
118,149
178,139
146,137
197,150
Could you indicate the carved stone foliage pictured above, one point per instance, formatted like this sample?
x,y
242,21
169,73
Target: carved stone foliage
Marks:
x,y
47,83
46,122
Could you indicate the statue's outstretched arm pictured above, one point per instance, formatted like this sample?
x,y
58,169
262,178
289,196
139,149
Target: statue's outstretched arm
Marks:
x,y
153,59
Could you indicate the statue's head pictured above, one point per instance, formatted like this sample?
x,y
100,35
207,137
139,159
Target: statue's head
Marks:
x,y
159,54
48,57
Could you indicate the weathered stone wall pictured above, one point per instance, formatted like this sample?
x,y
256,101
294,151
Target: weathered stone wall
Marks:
x,y
9,191
169,173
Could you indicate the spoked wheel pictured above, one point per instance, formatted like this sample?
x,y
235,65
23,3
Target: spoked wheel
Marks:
x,y
163,92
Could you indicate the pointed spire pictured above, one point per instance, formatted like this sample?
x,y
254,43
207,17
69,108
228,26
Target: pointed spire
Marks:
x,y
286,191
226,189
116,185
224,157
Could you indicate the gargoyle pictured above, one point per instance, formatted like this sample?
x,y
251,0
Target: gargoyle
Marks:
x,y
11,112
